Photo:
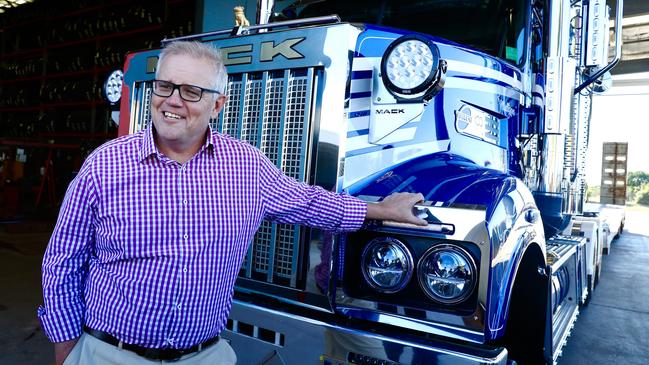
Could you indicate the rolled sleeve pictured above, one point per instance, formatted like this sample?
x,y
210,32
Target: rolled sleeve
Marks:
x,y
61,326
354,213
65,262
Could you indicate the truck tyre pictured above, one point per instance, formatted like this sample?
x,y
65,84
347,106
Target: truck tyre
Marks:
x,y
598,272
525,332
619,231
590,286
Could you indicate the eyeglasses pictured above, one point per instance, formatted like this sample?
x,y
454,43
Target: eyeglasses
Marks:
x,y
187,92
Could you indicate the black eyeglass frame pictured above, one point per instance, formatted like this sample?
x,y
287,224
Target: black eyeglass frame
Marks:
x,y
180,92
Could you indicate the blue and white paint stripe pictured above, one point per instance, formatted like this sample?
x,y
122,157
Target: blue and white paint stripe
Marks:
x,y
461,67
360,102
367,162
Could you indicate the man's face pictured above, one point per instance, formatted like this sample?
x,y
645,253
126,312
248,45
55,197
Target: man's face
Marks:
x,y
178,122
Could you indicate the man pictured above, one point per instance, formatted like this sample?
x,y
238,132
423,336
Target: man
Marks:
x,y
152,232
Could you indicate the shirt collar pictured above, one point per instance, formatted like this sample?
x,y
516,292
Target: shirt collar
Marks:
x,y
210,142
148,147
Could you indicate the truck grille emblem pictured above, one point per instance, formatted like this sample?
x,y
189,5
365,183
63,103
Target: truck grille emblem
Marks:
x,y
241,55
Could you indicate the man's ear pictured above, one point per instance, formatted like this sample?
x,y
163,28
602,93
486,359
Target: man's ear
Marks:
x,y
219,102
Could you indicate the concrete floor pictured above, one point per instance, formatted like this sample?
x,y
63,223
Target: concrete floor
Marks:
x,y
612,329
21,251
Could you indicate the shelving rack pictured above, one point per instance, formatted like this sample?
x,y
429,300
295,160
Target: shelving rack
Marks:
x,y
54,58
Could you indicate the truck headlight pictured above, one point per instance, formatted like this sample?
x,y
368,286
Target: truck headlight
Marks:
x,y
387,264
411,66
447,274
113,87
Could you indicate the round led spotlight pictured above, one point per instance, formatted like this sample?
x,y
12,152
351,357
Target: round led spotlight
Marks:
x,y
447,274
411,67
113,86
387,264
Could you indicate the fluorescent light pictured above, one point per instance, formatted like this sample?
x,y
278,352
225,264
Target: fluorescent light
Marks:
x,y
13,3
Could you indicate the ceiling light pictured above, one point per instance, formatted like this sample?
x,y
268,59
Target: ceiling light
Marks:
x,y
12,3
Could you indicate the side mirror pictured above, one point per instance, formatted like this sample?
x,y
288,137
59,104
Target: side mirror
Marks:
x,y
603,84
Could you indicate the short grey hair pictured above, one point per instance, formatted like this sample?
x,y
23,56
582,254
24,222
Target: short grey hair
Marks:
x,y
218,79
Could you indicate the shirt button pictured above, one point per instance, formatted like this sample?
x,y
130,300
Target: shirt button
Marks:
x,y
170,340
185,269
185,236
182,168
185,201
178,306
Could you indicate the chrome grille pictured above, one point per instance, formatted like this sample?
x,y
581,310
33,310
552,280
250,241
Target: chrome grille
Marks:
x,y
230,121
251,112
141,116
269,110
273,105
294,127
272,113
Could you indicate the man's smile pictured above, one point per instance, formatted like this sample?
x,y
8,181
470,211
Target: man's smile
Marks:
x,y
170,115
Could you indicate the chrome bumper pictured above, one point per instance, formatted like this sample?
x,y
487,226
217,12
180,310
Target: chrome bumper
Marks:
x,y
265,336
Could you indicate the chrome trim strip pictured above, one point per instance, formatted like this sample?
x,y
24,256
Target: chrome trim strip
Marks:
x,y
463,220
279,298
289,23
309,340
439,329
551,176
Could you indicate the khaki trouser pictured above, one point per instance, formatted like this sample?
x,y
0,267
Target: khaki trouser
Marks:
x,y
91,351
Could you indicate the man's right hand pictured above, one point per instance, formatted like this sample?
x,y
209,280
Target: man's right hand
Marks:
x,y
62,350
397,207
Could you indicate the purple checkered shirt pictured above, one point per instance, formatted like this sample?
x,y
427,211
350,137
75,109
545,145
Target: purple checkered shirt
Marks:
x,y
148,250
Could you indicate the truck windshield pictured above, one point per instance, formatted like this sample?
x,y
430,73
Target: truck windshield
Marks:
x,y
494,26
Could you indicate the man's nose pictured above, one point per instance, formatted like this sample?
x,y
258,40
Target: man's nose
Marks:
x,y
175,98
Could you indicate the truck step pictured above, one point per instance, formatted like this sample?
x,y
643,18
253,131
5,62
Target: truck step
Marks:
x,y
565,264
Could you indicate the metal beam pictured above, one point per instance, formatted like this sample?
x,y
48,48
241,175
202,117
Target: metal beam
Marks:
x,y
641,80
635,44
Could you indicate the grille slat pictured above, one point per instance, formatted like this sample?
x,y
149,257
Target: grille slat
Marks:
x,y
269,110
142,107
251,112
272,119
277,94
230,120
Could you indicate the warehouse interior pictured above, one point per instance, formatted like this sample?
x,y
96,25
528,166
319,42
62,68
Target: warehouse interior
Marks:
x,y
54,59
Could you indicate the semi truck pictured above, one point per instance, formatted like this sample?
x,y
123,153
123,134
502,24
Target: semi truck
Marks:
x,y
483,106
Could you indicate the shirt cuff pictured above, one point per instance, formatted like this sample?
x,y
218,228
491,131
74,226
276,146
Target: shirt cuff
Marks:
x,y
354,211
60,326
